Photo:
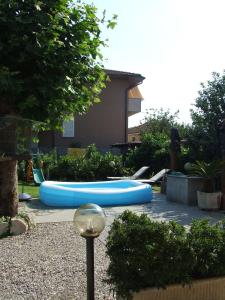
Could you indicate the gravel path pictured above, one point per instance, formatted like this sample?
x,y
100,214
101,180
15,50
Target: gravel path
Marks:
x,y
49,262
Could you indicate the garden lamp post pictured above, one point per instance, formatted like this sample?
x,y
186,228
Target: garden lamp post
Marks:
x,y
89,219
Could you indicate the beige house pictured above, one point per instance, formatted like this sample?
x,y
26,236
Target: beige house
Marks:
x,y
134,133
106,123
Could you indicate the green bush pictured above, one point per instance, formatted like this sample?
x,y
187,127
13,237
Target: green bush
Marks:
x,y
153,152
211,171
92,166
208,245
144,253
21,169
47,162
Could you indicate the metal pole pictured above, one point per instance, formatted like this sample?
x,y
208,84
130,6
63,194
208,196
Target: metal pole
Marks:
x,y
90,267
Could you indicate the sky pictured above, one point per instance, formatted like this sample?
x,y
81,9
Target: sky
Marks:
x,y
174,44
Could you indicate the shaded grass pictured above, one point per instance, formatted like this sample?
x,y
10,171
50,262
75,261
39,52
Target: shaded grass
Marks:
x,y
156,188
30,188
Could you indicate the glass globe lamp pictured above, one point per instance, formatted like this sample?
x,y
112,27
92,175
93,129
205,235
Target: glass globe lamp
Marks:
x,y
89,220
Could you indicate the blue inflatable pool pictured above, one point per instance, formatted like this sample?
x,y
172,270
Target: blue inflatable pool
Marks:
x,y
104,193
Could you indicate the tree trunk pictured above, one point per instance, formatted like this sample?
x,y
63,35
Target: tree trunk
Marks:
x,y
8,187
222,148
174,161
174,149
223,188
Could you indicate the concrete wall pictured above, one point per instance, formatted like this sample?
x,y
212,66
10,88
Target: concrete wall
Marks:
x,y
184,188
105,123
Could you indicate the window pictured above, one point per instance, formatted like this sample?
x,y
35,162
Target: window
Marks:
x,y
68,128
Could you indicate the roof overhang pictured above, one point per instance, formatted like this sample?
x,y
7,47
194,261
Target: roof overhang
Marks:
x,y
134,78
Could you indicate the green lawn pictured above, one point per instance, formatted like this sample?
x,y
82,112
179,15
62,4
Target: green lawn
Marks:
x,y
31,189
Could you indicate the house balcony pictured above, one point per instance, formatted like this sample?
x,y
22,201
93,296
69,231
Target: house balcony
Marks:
x,y
134,101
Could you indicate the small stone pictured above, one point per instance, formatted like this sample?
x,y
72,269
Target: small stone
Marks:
x,y
3,228
18,226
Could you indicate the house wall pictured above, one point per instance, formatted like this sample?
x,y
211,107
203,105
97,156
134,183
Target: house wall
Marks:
x,y
104,124
134,137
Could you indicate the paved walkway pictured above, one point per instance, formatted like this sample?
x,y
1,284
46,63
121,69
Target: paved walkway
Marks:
x,y
159,209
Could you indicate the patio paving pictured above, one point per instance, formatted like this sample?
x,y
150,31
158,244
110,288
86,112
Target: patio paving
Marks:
x,y
159,209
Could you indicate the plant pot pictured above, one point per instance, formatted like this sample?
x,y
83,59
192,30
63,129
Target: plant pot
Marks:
x,y
209,201
205,289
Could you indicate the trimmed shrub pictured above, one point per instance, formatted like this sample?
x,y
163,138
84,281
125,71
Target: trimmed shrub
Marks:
x,y
208,245
145,253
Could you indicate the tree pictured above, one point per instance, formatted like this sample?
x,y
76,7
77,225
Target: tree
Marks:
x,y
208,116
153,152
50,64
155,136
160,120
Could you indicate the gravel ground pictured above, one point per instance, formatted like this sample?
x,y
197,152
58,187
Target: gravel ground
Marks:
x,y
49,262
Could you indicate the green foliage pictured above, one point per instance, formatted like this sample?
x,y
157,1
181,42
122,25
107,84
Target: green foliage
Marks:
x,y
50,63
145,253
92,166
193,148
154,150
37,161
210,171
21,170
208,117
208,245
47,162
4,219
207,170
161,121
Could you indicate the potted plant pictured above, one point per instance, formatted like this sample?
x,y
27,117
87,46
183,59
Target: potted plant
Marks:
x,y
159,260
209,198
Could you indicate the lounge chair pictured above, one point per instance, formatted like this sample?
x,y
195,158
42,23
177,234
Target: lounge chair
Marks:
x,y
38,176
156,177
136,175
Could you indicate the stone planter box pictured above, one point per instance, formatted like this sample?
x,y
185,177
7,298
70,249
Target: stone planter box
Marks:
x,y
205,289
209,201
184,188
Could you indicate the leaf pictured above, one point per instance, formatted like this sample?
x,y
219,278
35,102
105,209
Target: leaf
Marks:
x,y
54,54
